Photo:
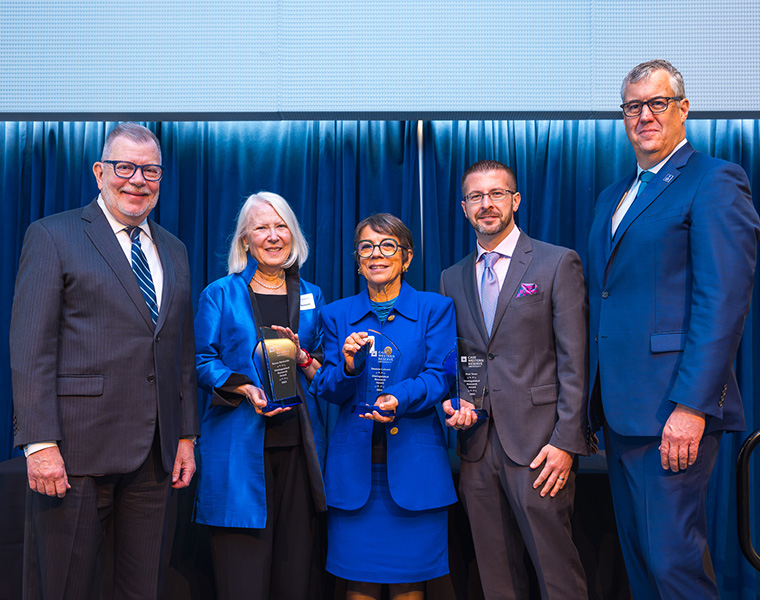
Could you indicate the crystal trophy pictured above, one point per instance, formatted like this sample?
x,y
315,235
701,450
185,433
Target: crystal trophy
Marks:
x,y
275,361
376,363
465,366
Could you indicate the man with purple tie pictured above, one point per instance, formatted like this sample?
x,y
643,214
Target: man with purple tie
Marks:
x,y
523,304
670,269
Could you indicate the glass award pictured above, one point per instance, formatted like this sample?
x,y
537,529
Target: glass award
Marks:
x,y
275,361
465,367
376,363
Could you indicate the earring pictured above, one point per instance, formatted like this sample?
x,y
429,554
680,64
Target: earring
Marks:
x,y
359,271
245,247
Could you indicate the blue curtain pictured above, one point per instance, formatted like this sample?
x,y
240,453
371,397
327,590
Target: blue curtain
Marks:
x,y
334,174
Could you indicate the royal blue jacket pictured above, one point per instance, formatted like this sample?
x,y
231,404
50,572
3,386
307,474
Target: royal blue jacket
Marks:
x,y
422,325
231,489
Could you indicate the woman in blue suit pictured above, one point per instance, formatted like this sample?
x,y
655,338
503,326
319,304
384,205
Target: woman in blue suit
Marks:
x,y
260,482
387,477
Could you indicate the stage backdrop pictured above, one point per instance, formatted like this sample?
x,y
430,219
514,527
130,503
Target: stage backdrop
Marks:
x,y
334,174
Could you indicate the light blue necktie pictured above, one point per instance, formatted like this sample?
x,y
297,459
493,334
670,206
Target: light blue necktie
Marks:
x,y
142,272
489,289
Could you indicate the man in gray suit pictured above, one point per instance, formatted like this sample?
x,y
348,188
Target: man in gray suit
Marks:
x,y
522,303
104,385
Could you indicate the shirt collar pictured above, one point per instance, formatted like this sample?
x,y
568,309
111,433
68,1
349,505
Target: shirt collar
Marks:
x,y
661,164
506,247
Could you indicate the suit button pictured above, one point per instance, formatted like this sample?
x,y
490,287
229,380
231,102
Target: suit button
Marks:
x,y
605,294
394,430
391,317
491,356
151,378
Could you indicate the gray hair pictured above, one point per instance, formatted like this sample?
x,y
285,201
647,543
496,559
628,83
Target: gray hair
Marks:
x,y
238,256
645,69
132,131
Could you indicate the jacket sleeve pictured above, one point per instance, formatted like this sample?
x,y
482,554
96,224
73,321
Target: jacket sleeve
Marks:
x,y
429,387
723,238
332,383
34,330
570,322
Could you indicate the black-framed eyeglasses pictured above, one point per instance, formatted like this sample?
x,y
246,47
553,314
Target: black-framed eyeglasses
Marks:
x,y
126,169
497,195
657,105
388,247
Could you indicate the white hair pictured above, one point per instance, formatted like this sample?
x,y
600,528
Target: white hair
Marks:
x,y
238,256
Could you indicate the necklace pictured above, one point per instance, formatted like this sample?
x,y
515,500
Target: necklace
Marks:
x,y
270,287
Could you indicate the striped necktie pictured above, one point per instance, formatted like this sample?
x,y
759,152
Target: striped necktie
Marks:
x,y
142,272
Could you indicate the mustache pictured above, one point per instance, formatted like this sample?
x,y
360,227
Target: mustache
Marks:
x,y
490,212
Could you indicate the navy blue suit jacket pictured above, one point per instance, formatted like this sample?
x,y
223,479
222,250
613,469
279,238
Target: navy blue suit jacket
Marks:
x,y
669,295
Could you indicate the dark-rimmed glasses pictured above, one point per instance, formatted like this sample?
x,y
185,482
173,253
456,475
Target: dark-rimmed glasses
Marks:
x,y
388,247
497,195
126,169
657,105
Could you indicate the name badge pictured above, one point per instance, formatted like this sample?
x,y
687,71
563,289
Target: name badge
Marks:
x,y
307,302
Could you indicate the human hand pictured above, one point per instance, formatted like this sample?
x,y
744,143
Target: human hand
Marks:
x,y
287,332
47,473
184,464
383,402
258,400
463,418
351,346
680,438
556,470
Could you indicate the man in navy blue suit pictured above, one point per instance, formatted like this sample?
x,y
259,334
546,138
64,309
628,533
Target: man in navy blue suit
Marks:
x,y
670,269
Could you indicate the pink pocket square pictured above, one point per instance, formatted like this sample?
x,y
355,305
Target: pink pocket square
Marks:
x,y
527,289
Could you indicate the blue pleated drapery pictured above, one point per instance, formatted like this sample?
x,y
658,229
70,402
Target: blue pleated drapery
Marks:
x,y
336,173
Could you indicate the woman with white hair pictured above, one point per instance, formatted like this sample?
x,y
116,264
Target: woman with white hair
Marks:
x,y
260,481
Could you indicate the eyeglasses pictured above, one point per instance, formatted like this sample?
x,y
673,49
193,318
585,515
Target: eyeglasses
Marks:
x,y
126,169
497,195
657,105
388,247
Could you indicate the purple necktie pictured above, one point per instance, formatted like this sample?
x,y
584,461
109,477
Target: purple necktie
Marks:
x,y
489,289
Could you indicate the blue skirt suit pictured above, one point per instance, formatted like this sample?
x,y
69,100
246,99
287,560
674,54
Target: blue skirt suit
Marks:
x,y
387,523
231,488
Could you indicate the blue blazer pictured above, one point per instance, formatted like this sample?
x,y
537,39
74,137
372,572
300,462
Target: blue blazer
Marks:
x,y
231,489
423,327
669,295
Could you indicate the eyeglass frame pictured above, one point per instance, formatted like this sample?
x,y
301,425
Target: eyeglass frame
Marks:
x,y
668,100
113,163
398,246
488,193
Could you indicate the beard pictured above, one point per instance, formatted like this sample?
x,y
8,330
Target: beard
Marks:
x,y
113,201
503,223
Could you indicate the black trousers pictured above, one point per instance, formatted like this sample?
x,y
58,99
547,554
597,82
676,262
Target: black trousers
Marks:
x,y
283,560
64,537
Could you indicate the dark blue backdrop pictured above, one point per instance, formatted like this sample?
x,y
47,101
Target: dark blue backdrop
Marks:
x,y
334,174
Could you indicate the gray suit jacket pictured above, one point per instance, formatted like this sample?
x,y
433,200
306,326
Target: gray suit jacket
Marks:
x,y
537,356
90,370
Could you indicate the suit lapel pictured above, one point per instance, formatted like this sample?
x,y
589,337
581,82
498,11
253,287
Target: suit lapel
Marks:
x,y
103,238
665,176
470,288
616,195
518,265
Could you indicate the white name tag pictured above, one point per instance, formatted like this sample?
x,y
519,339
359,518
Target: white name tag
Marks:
x,y
307,302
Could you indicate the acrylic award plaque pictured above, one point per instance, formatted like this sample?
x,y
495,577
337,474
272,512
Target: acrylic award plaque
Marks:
x,y
377,364
466,367
275,361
